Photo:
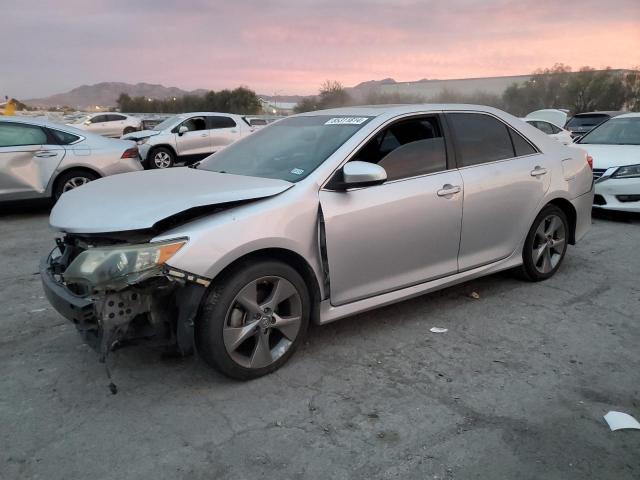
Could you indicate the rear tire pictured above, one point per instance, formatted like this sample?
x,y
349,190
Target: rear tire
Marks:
x,y
253,319
545,245
128,130
161,157
70,180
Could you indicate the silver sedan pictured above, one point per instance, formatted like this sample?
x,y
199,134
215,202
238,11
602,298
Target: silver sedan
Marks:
x,y
40,159
314,218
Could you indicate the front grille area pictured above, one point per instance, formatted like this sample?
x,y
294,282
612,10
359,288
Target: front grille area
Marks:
x,y
599,200
598,172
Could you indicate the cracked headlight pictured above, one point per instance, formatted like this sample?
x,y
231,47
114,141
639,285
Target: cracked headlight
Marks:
x,y
630,171
142,141
102,265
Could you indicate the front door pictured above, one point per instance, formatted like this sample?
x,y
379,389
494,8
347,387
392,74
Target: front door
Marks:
x,y
196,141
27,160
505,179
404,232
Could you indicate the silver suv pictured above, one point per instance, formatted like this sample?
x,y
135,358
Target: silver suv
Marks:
x,y
189,137
313,218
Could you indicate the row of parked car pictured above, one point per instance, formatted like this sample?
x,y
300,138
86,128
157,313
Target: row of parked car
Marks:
x,y
45,159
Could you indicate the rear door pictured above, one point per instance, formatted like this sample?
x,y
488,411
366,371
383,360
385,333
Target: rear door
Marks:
x,y
404,232
223,130
115,125
505,179
196,141
29,156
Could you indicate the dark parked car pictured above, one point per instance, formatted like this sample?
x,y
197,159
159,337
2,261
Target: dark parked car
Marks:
x,y
582,123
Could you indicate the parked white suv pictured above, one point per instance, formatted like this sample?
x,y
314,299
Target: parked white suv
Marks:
x,y
108,124
189,137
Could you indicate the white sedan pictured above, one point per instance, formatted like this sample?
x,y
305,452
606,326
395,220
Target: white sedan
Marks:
x,y
615,149
108,124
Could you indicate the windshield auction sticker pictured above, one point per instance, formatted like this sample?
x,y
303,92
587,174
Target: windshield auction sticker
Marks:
x,y
346,121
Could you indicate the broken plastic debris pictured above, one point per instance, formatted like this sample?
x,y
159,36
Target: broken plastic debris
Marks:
x,y
38,310
438,330
474,295
621,421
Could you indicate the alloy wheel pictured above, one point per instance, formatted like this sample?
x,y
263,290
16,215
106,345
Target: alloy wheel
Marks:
x,y
262,322
548,244
162,160
74,182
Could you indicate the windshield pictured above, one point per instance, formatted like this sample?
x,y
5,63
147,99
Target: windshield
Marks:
x,y
287,150
587,120
166,123
617,131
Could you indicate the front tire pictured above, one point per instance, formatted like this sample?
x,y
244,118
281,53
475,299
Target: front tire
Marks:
x,y
546,245
161,157
253,319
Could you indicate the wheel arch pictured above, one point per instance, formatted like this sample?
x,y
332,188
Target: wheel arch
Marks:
x,y
572,216
163,145
289,257
53,184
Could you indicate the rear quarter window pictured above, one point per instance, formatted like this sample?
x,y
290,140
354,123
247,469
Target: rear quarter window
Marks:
x,y
479,138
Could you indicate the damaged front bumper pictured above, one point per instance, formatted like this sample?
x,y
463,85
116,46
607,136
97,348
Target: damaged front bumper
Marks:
x,y
160,310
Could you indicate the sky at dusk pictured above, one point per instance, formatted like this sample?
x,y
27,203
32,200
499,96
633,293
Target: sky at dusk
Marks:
x,y
291,47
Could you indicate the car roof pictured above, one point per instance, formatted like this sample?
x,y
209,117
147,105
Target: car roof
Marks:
x,y
42,122
629,115
399,109
611,113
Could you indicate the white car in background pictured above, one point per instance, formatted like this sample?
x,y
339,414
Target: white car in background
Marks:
x,y
549,121
615,149
189,137
108,124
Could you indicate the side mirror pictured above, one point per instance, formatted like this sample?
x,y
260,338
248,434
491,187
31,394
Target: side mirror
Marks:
x,y
362,174
87,122
182,130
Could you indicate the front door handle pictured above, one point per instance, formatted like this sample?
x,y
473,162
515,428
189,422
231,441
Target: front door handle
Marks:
x,y
204,135
45,154
538,171
448,190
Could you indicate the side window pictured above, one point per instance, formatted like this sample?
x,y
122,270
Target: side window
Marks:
x,y
195,123
18,134
553,128
521,146
545,127
221,122
99,119
64,138
479,138
407,148
115,118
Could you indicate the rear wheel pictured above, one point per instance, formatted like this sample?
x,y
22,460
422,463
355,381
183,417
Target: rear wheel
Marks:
x,y
128,130
161,157
73,179
253,319
546,244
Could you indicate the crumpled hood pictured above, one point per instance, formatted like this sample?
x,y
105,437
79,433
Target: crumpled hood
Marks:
x,y
605,156
140,134
138,200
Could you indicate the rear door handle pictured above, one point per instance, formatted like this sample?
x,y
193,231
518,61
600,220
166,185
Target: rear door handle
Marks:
x,y
448,190
536,172
45,154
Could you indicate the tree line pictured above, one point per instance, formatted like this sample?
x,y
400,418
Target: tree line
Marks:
x,y
585,90
240,100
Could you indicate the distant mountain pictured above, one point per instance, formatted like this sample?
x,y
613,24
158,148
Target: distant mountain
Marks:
x,y
106,94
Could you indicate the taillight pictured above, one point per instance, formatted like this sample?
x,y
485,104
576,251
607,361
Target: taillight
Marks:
x,y
590,161
131,153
